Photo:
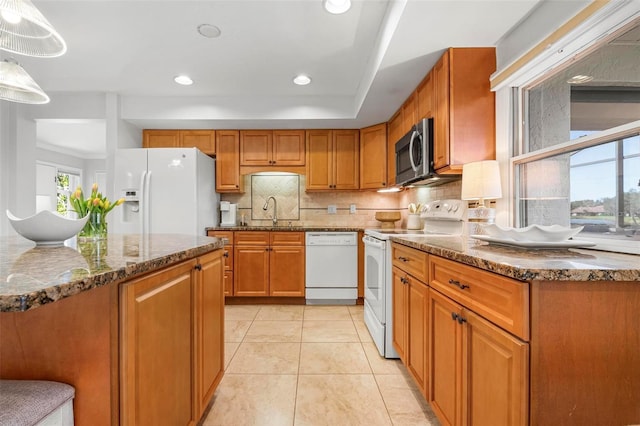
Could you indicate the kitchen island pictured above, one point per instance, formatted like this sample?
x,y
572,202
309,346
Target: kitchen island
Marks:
x,y
134,323
539,336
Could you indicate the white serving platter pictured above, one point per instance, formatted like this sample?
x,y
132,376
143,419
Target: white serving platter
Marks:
x,y
534,244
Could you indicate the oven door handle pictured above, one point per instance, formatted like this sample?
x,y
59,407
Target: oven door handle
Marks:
x,y
374,243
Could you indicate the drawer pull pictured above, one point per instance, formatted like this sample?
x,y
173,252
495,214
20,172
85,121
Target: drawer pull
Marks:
x,y
458,284
458,318
404,259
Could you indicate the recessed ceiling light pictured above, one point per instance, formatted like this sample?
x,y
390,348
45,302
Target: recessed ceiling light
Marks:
x,y
302,80
185,80
209,31
336,6
579,79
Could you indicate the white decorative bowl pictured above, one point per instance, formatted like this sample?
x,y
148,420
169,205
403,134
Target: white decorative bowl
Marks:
x,y
46,227
536,233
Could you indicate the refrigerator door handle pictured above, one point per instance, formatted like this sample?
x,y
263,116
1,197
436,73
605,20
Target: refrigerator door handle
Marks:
x,y
147,200
142,201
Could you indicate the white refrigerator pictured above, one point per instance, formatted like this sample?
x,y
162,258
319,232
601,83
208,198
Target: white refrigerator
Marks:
x,y
166,191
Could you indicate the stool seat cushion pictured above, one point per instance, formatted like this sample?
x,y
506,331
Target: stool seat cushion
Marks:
x,y
26,402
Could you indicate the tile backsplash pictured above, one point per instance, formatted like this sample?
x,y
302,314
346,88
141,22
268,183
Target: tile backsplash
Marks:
x,y
311,208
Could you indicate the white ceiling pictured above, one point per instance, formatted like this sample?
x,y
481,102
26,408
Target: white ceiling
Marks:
x,y
363,63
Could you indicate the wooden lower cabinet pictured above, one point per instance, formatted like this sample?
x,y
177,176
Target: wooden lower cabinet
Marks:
x,y
410,325
399,312
479,373
269,263
227,255
157,348
208,329
171,342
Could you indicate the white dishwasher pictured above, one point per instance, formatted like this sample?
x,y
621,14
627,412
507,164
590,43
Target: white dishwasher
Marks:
x,y
331,275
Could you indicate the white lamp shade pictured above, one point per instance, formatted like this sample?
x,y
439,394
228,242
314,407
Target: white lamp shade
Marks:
x,y
481,180
25,31
16,85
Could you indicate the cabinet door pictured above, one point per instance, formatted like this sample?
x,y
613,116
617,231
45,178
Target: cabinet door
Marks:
x,y
394,133
256,148
251,274
418,327
228,177
494,375
160,138
409,113
319,160
286,266
209,328
288,147
204,140
373,157
425,98
445,358
399,312
156,332
346,161
441,116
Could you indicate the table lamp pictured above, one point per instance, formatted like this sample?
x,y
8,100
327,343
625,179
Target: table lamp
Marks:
x,y
480,181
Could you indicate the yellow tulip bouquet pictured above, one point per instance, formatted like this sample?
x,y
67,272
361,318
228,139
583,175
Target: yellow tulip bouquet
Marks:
x,y
96,206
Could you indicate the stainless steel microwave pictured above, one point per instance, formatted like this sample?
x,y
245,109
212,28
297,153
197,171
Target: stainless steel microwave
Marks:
x,y
414,159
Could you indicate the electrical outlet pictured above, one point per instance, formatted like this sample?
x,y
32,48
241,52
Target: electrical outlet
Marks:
x,y
332,209
352,209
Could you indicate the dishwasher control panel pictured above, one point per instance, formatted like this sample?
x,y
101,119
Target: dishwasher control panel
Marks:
x,y
331,238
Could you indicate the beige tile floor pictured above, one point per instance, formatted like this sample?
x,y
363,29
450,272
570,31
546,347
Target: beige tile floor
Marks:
x,y
310,365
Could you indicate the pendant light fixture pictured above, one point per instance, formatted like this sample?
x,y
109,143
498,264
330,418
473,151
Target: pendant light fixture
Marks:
x,y
25,31
16,85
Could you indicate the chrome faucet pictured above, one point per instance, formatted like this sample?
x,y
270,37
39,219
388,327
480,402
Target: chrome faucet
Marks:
x,y
275,209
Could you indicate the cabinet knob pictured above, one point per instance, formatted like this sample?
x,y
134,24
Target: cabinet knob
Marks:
x,y
198,267
404,259
225,254
384,183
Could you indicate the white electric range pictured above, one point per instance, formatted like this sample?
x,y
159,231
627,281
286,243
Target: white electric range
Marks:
x,y
441,218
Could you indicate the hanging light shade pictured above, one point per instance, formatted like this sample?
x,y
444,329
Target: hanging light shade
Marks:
x,y
25,31
16,85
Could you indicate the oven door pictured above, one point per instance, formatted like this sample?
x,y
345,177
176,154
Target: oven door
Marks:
x,y
374,276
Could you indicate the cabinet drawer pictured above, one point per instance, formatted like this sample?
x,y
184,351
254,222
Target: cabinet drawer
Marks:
x,y
287,238
501,300
251,238
410,260
227,236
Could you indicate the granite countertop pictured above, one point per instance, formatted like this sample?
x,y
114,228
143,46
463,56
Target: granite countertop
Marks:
x,y
287,228
531,265
32,276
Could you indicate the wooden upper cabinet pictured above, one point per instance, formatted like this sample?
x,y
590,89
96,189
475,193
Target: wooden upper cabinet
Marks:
x,y
204,140
346,159
424,94
333,160
161,138
394,133
272,148
228,177
319,159
373,157
464,126
288,148
409,113
256,147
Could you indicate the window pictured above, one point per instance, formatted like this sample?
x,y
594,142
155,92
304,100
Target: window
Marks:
x,y
577,162
66,183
